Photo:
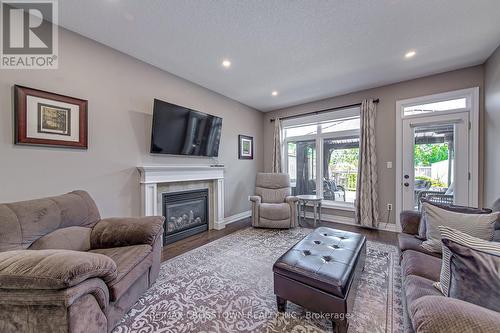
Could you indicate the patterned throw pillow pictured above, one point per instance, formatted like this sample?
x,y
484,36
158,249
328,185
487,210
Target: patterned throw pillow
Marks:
x,y
422,227
470,269
477,225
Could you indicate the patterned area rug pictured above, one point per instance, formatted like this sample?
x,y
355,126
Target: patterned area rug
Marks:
x,y
227,286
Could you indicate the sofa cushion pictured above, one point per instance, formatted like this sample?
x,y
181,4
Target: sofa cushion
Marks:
x,y
272,180
25,222
422,230
131,263
52,269
410,242
416,287
410,221
72,238
273,195
274,224
274,211
272,187
420,264
471,269
477,225
439,314
126,231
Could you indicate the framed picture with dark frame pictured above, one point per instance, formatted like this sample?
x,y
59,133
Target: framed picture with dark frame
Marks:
x,y
245,147
48,119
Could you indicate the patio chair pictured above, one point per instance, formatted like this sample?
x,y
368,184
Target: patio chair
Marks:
x,y
439,197
331,190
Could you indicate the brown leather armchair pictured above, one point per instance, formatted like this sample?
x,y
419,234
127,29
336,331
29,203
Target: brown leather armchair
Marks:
x,y
273,206
64,269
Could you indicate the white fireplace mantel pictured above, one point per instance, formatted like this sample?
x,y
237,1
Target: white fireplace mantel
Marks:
x,y
151,176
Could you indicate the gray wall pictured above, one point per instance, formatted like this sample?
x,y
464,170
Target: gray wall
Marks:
x,y
120,91
492,128
386,119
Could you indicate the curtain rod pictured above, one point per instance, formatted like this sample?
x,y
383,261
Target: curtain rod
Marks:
x,y
322,111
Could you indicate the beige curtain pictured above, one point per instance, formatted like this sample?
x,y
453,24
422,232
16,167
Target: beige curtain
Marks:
x,y
277,144
367,184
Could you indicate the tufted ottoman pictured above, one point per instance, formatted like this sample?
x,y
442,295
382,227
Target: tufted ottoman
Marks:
x,y
321,273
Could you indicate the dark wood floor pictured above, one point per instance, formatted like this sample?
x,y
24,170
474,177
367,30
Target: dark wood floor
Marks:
x,y
190,243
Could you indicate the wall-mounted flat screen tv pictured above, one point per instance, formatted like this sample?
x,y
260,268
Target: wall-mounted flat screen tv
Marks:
x,y
178,130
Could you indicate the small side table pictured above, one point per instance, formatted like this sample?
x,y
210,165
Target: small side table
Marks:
x,y
315,200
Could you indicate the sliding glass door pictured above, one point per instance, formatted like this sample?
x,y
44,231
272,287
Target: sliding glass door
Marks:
x,y
302,166
321,156
340,168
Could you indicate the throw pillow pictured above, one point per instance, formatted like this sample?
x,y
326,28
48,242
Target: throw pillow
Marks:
x,y
422,227
477,225
470,269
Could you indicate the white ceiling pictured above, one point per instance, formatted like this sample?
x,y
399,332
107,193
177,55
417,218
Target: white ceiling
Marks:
x,y
305,49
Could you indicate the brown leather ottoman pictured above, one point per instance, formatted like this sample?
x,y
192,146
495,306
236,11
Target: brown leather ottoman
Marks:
x,y
321,273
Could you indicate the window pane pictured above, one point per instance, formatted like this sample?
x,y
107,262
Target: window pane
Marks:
x,y
434,163
340,169
301,130
452,104
301,157
340,125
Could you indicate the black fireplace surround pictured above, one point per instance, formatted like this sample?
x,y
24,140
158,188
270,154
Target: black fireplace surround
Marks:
x,y
186,214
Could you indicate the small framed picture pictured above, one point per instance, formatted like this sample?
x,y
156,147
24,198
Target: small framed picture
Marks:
x,y
48,119
245,147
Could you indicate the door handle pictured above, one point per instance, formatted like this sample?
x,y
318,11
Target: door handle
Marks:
x,y
406,184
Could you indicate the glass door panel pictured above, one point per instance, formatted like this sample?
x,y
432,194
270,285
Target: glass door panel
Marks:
x,y
434,163
301,164
340,169
435,160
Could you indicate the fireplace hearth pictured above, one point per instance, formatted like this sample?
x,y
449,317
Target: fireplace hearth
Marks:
x,y
186,214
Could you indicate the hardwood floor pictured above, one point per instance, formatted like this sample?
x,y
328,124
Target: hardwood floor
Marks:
x,y
190,243
381,236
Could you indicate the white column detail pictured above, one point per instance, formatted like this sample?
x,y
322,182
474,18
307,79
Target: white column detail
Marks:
x,y
149,206
219,204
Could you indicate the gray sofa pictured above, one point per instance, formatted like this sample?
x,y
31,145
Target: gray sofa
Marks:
x,y
273,206
426,310
64,269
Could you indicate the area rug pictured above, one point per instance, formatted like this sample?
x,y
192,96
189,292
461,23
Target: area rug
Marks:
x,y
227,286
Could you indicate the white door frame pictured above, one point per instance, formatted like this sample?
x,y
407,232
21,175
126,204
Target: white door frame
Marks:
x,y
461,167
472,96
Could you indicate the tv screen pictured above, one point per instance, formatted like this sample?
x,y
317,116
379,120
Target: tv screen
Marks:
x,y
181,131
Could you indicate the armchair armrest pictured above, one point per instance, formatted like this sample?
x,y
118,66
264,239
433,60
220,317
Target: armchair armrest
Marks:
x,y
52,269
436,314
116,232
292,201
410,221
255,199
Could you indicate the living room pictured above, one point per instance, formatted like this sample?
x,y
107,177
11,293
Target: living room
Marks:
x,y
213,166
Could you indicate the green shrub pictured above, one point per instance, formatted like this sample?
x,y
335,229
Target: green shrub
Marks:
x,y
351,181
434,182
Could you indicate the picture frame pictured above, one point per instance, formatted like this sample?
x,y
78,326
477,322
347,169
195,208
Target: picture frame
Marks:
x,y
48,119
245,147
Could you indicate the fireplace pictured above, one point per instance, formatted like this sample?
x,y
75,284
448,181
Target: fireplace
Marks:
x,y
186,214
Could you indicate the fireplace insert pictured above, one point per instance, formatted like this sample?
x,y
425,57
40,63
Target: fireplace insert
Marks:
x,y
186,214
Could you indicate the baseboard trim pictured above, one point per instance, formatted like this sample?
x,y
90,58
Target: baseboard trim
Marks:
x,y
350,221
231,219
326,217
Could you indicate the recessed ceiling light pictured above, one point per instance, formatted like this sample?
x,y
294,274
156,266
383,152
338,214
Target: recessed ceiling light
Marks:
x,y
226,63
410,54
274,93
